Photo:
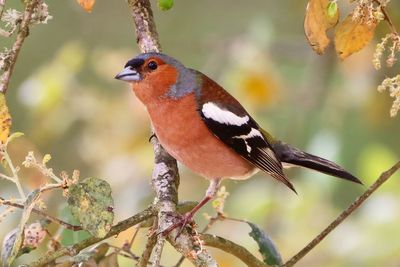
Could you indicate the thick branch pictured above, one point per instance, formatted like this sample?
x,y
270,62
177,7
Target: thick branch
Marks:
x,y
165,179
22,33
146,33
357,203
232,248
115,230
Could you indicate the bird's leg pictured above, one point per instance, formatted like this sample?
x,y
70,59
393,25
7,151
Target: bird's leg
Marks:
x,y
187,217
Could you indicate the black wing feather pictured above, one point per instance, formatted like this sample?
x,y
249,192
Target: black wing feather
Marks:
x,y
255,149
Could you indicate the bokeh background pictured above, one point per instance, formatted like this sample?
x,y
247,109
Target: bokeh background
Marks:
x,y
64,98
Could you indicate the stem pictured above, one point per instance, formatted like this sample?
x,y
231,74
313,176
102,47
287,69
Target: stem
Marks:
x,y
387,18
357,203
16,48
50,187
2,4
15,178
115,230
6,177
144,259
43,214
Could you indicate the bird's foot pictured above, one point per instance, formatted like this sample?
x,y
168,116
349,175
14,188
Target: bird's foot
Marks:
x,y
179,221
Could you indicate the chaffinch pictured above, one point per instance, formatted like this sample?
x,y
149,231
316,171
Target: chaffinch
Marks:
x,y
208,130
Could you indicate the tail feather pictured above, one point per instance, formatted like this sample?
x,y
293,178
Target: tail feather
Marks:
x,y
294,156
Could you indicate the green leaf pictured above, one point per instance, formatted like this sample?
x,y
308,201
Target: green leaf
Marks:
x,y
165,4
13,241
91,204
332,9
267,249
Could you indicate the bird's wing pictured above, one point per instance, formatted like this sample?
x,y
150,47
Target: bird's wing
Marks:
x,y
229,121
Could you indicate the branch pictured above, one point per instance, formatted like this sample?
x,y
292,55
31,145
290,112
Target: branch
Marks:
x,y
23,32
387,18
115,230
2,4
144,259
357,203
232,248
43,214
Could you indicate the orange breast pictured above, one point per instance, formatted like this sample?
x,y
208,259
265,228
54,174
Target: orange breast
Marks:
x,y
185,136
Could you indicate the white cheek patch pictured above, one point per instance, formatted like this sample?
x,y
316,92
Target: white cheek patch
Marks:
x,y
253,133
212,111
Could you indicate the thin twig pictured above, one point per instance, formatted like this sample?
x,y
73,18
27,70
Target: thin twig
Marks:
x,y
43,214
14,173
2,5
360,200
134,235
16,48
387,18
115,230
6,177
144,259
232,248
50,187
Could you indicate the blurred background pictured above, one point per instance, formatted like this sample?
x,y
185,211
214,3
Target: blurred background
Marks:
x,y
64,98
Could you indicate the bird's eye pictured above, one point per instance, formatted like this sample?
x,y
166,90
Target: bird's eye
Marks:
x,y
152,65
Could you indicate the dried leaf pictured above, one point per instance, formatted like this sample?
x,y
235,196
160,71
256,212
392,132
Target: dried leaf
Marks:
x,y
352,35
87,5
5,120
267,249
165,4
91,204
13,241
321,15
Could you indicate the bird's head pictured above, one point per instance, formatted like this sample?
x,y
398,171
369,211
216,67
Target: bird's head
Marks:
x,y
154,75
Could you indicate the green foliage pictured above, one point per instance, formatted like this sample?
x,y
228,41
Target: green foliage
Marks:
x,y
267,249
165,4
92,205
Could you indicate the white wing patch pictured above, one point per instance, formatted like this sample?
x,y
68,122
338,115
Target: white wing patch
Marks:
x,y
212,111
253,133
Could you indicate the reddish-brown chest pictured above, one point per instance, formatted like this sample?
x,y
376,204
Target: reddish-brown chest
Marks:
x,y
185,136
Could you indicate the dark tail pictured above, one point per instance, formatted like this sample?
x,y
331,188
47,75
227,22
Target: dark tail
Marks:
x,y
292,155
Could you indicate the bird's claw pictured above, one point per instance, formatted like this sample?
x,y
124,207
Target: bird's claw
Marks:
x,y
181,222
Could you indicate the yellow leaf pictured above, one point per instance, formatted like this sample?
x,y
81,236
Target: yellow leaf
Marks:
x,y
352,35
319,18
5,120
87,5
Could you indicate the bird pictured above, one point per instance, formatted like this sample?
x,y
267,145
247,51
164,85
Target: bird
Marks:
x,y
206,129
